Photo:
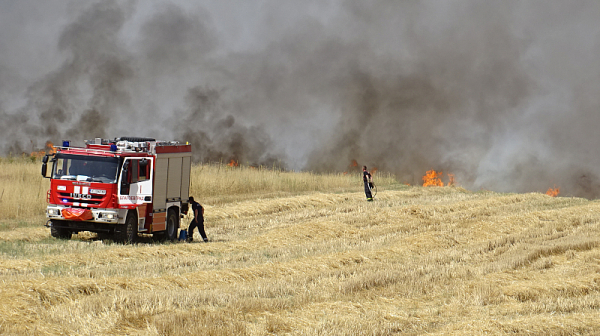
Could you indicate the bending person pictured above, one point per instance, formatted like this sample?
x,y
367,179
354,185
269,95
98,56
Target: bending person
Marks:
x,y
198,221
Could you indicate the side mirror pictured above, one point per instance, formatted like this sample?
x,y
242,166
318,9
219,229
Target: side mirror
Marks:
x,y
45,171
45,159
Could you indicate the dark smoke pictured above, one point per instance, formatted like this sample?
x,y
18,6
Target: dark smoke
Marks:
x,y
57,106
216,136
502,94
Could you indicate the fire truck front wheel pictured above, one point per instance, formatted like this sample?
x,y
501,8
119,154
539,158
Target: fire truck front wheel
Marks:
x,y
60,233
127,233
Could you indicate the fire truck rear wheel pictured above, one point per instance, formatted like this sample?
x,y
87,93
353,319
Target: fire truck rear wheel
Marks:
x,y
127,233
172,226
60,233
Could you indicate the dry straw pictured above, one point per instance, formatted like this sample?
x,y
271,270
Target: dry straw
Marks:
x,y
290,256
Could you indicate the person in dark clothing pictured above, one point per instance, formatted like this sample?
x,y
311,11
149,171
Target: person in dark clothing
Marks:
x,y
368,180
198,221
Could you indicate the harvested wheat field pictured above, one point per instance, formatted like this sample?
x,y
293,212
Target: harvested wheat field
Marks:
x,y
305,254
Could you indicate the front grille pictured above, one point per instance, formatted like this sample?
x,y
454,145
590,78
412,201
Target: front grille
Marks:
x,y
95,200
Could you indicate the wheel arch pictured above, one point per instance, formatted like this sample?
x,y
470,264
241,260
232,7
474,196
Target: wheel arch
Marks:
x,y
134,212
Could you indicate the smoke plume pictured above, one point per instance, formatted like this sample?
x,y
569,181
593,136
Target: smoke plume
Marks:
x,y
501,94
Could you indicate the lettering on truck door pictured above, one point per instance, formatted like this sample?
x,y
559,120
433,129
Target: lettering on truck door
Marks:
x,y
135,185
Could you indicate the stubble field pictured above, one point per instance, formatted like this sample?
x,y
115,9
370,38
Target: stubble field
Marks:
x,y
305,254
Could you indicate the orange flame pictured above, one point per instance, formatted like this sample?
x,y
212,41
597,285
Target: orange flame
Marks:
x,y
353,163
374,170
233,163
48,149
451,180
553,192
433,178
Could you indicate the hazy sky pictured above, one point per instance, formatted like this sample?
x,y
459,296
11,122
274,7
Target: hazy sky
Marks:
x,y
502,94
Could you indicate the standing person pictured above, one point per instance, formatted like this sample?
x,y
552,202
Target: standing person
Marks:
x,y
198,221
367,179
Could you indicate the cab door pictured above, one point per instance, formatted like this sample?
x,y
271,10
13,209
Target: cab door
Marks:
x,y
135,186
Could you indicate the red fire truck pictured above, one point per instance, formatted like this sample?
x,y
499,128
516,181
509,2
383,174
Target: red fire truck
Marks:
x,y
119,187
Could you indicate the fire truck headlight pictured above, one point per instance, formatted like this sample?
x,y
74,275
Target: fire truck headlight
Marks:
x,y
109,215
53,212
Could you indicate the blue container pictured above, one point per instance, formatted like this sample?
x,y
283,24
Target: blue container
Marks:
x,y
183,235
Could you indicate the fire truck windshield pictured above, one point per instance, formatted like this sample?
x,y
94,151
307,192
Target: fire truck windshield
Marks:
x,y
85,168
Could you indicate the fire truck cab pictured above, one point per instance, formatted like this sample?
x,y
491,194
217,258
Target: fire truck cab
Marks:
x,y
119,187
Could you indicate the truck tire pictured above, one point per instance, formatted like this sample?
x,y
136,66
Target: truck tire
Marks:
x,y
60,233
127,233
172,225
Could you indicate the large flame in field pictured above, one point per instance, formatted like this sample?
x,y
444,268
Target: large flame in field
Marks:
x,y
233,163
48,149
433,179
553,192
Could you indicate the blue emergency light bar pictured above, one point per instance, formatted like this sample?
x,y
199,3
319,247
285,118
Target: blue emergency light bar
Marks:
x,y
66,143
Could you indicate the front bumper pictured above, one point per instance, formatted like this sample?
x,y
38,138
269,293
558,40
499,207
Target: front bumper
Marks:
x,y
112,216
